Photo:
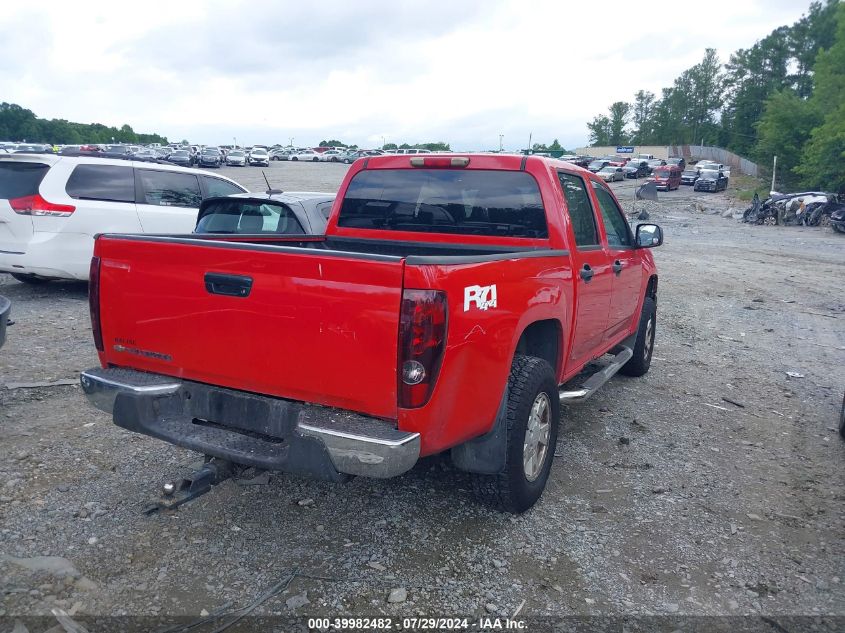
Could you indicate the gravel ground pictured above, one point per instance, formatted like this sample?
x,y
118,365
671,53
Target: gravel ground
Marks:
x,y
712,486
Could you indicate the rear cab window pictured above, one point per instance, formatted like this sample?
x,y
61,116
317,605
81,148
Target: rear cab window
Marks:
x,y
248,217
20,179
466,202
101,182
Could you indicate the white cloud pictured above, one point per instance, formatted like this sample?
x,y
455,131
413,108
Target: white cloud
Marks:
x,y
461,72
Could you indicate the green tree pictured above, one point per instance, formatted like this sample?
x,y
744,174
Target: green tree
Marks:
x,y
787,122
618,120
332,143
599,129
389,146
821,159
641,114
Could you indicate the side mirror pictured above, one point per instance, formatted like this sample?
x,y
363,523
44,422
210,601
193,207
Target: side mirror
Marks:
x,y
649,235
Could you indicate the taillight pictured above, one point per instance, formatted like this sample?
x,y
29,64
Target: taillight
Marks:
x,y
36,205
439,161
94,302
422,340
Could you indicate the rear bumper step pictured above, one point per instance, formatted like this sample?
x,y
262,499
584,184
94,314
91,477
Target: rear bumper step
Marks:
x,y
623,353
250,429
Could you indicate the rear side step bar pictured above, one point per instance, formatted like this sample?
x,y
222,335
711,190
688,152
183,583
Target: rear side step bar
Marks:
x,y
594,382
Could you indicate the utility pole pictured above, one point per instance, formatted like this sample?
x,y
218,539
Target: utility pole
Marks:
x,y
774,171
501,136
291,141
383,142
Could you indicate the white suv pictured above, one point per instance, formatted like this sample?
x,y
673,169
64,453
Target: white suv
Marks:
x,y
51,207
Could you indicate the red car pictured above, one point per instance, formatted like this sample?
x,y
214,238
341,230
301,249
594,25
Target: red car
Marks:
x,y
667,177
446,308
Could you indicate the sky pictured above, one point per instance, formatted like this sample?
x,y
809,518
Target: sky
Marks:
x,y
364,72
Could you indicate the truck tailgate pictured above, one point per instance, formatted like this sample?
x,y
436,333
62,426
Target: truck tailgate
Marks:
x,y
315,326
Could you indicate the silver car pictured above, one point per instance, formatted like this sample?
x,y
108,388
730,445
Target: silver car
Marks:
x,y
236,158
609,173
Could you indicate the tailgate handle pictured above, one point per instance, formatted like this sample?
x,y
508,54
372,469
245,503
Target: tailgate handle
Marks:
x,y
229,285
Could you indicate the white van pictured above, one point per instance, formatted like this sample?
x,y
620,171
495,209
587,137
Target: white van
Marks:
x,y
51,207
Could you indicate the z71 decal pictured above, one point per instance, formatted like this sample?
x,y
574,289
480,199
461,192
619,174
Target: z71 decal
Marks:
x,y
484,297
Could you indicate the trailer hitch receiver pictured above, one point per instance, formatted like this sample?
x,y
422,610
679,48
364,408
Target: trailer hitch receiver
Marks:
x,y
213,472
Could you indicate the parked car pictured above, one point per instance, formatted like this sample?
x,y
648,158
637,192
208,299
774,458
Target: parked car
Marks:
x,y
51,207
636,169
210,157
146,154
837,219
236,158
331,156
597,165
308,154
610,173
288,213
711,180
5,312
419,324
667,177
689,176
280,154
258,156
678,161
181,157
33,148
654,163
708,164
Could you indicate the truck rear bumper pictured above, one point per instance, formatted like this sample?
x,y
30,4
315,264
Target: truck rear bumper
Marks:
x,y
246,428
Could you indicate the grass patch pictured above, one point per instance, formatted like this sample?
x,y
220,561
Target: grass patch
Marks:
x,y
744,187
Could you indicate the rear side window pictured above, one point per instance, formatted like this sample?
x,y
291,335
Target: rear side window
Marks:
x,y
101,182
169,189
20,179
467,202
215,187
580,210
248,217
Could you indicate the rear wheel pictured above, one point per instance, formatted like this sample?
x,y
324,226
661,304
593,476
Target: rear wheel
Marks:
x,y
29,279
533,412
644,344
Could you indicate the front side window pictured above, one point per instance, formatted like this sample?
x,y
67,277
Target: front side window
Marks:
x,y
169,189
615,224
249,217
580,210
466,202
101,182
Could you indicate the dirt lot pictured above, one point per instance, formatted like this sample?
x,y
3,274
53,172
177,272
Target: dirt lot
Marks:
x,y
712,486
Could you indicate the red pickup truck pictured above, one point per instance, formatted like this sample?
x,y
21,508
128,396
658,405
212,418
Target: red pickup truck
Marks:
x,y
448,301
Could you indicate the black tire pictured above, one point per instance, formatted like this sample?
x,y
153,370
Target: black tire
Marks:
x,y
644,345
512,490
294,158
315,160
29,279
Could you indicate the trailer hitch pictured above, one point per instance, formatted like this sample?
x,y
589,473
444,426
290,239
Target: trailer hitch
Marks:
x,y
213,472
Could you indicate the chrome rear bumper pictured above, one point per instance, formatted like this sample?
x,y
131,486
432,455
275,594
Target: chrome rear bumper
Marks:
x,y
246,428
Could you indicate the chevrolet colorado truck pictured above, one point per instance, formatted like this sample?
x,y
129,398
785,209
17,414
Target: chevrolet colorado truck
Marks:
x,y
447,306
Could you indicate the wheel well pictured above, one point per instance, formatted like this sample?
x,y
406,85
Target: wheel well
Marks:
x,y
651,289
542,339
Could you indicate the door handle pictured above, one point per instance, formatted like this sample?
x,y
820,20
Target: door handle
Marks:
x,y
587,273
617,267
228,285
